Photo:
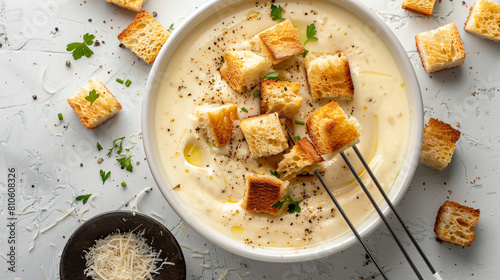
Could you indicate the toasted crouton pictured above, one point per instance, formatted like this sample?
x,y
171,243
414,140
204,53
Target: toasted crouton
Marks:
x,y
133,5
331,130
262,192
280,96
484,20
282,41
101,110
421,7
218,121
438,144
455,223
144,36
329,75
265,135
242,70
441,48
300,159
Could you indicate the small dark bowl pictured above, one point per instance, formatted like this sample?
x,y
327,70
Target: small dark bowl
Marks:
x,y
157,235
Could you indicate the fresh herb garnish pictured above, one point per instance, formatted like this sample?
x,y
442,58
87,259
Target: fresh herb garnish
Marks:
x,y
171,27
304,53
275,174
273,76
244,109
92,96
81,49
126,163
276,12
296,138
60,116
116,145
292,207
99,147
128,83
310,32
119,80
299,122
124,184
256,93
83,197
104,175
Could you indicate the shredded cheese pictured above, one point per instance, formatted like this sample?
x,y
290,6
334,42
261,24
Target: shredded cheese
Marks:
x,y
134,205
185,230
157,215
43,273
205,265
34,237
223,274
81,213
54,223
122,256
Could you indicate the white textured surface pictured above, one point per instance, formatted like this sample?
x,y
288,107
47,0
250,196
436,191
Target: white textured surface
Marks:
x,y
47,156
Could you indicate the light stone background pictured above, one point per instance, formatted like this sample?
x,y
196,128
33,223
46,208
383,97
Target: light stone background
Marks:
x,y
48,158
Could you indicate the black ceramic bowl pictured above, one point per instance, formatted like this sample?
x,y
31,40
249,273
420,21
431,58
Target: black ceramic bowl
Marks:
x,y
157,235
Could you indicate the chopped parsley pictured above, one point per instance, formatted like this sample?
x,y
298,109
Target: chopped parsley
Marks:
x,y
92,96
304,53
275,174
128,83
99,147
117,143
81,49
299,122
292,207
244,109
124,184
273,76
310,32
171,27
60,116
256,93
119,80
276,12
126,163
296,138
83,197
104,175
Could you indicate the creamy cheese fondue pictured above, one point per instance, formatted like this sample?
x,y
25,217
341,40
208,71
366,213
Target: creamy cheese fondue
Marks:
x,y
209,180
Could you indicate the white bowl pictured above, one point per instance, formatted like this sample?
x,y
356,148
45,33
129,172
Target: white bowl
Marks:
x,y
276,254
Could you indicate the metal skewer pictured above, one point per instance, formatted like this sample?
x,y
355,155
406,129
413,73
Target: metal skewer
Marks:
x,y
420,251
342,213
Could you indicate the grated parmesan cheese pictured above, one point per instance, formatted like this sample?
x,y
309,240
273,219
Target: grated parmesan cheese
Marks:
x,y
122,256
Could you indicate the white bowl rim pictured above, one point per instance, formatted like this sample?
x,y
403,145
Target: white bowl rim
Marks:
x,y
285,255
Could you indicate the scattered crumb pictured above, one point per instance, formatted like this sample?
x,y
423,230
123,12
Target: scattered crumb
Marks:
x,y
68,63
100,160
34,97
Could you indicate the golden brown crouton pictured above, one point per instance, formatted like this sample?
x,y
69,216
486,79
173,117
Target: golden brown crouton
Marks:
x,y
421,7
262,192
438,144
265,135
242,70
101,110
133,5
484,20
331,130
441,48
280,96
300,159
329,75
455,223
282,41
218,121
144,36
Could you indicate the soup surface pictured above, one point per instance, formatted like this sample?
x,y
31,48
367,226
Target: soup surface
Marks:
x,y
209,180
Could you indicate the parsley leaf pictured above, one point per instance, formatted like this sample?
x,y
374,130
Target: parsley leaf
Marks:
x,y
256,93
81,49
310,32
116,145
273,76
99,147
293,207
296,138
276,12
275,173
126,163
104,175
171,27
304,53
83,197
92,96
